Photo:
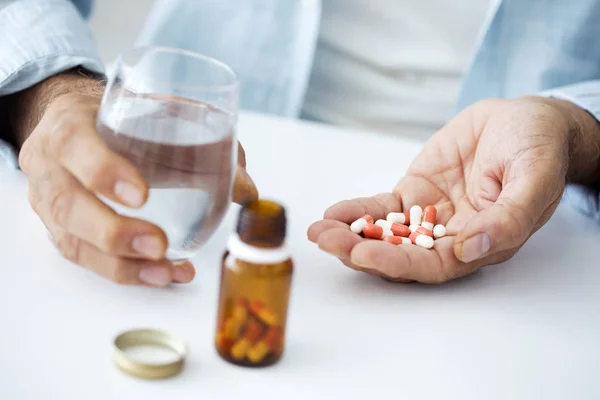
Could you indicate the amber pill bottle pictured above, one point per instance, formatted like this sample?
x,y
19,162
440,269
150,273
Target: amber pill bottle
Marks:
x,y
256,277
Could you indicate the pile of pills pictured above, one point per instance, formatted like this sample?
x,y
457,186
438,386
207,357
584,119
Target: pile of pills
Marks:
x,y
251,334
415,227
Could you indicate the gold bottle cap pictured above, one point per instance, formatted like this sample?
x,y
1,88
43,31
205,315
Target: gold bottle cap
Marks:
x,y
149,338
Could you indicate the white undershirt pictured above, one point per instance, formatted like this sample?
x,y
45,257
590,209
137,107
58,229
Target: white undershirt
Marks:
x,y
392,64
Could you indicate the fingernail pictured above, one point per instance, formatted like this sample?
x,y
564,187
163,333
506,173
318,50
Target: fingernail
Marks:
x,y
475,247
129,194
183,274
148,245
155,276
359,264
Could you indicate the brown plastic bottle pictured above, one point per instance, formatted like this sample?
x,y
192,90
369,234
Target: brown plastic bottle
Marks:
x,y
256,277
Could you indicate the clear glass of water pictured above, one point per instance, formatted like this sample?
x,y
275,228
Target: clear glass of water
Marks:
x,y
173,114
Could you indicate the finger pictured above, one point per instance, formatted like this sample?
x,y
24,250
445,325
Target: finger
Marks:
x,y
507,223
60,199
72,140
411,263
418,190
377,206
335,238
183,272
397,280
72,248
121,270
315,230
244,189
338,242
241,156
464,213
349,264
374,272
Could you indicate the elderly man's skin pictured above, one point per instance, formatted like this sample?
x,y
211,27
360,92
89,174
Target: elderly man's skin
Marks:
x,y
68,163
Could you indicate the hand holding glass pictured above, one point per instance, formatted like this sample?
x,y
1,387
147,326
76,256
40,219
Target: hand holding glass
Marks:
x,y
173,113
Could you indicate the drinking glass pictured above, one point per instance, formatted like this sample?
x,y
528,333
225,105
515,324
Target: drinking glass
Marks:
x,y
173,114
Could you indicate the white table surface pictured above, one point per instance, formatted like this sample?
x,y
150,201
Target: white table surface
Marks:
x,y
527,329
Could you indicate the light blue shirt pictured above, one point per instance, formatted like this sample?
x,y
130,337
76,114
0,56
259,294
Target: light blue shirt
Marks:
x,y
548,47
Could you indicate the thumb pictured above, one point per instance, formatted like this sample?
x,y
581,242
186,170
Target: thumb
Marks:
x,y
504,225
244,189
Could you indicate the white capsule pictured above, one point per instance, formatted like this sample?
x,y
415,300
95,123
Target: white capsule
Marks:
x,y
439,231
358,225
406,240
399,218
424,241
416,213
384,224
413,227
427,225
386,232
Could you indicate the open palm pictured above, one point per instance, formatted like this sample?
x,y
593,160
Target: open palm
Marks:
x,y
495,173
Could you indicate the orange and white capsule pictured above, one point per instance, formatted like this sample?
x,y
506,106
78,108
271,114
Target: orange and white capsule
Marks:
x,y
397,240
373,231
416,213
358,225
439,231
413,227
397,229
252,333
399,218
424,231
271,342
429,217
421,240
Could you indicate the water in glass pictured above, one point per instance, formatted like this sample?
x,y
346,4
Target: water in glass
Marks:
x,y
185,150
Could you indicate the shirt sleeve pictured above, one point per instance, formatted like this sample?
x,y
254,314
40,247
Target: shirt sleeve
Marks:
x,y
585,95
41,38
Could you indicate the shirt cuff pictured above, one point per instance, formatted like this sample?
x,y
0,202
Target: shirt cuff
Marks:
x,y
41,38
584,199
8,157
585,95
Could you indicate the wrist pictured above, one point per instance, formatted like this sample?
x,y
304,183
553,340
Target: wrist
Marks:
x,y
584,145
581,138
25,109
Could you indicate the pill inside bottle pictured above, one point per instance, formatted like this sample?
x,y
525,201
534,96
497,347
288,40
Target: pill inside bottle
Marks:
x,y
256,277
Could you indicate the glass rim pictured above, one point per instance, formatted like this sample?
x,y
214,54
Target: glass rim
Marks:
x,y
121,59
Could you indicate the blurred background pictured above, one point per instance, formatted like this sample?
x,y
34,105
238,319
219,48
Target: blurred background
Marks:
x,y
116,31
413,97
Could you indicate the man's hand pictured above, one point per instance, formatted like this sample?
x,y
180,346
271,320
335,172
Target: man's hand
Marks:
x,y
496,173
68,164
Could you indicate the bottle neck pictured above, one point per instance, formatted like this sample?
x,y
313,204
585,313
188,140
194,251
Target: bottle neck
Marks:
x,y
257,254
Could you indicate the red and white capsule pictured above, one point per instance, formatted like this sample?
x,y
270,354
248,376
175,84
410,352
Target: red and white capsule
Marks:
x,y
416,213
424,231
397,240
429,217
358,225
397,229
399,218
421,240
373,231
439,231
